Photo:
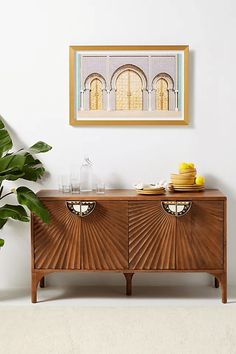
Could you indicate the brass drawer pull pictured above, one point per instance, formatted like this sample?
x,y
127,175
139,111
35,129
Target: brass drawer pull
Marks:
x,y
81,208
176,208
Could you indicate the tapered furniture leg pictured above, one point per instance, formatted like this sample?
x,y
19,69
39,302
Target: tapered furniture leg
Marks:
x,y
221,279
42,282
128,277
34,288
36,278
216,283
223,284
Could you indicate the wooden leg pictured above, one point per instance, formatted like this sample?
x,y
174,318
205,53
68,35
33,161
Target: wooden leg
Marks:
x,y
36,278
34,288
128,277
42,282
217,284
223,284
221,279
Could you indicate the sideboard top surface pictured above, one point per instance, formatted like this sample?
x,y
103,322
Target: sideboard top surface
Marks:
x,y
130,194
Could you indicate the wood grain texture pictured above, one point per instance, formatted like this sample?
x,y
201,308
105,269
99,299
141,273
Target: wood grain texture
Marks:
x,y
105,237
131,234
200,237
130,194
57,245
151,236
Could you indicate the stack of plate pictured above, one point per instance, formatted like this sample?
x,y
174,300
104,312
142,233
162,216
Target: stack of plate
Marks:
x,y
153,191
187,188
190,172
185,181
182,179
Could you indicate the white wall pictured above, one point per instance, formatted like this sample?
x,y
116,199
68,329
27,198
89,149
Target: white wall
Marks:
x,y
34,101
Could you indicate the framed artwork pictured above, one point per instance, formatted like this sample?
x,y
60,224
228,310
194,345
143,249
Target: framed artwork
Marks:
x,y
129,85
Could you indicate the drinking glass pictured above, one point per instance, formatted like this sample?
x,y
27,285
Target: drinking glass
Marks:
x,y
64,184
100,188
75,186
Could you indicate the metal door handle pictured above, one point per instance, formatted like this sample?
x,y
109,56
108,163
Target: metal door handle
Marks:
x,y
81,208
176,208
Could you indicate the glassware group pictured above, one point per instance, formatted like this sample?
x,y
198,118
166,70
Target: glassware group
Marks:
x,y
73,183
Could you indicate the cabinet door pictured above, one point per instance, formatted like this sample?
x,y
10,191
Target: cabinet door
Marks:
x,y
105,237
57,245
200,237
151,236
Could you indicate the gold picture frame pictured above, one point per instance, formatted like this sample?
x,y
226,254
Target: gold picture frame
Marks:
x,y
129,85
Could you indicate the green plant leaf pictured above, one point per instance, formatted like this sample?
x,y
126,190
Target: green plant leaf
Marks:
x,y
30,160
21,165
16,212
33,168
12,176
11,163
5,139
40,146
32,173
2,222
1,242
26,196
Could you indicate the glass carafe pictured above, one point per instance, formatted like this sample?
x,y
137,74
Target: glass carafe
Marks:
x,y
86,175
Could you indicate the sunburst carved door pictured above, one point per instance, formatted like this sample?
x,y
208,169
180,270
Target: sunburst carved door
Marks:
x,y
98,241
151,236
200,237
57,245
105,237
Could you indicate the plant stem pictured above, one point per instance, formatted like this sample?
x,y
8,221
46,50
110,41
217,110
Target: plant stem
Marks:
x,y
6,195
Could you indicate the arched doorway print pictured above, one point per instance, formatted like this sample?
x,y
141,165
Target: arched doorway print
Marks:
x,y
95,101
162,95
129,95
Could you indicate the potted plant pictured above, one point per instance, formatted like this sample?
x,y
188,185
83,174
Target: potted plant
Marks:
x,y
21,164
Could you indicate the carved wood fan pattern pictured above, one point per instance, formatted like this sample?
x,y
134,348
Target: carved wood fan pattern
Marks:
x,y
151,237
57,245
105,237
200,237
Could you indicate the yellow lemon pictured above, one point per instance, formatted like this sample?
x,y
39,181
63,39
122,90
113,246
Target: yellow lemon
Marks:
x,y
186,165
199,180
183,166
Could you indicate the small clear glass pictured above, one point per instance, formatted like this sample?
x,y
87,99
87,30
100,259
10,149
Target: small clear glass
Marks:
x,y
60,183
100,188
75,186
64,184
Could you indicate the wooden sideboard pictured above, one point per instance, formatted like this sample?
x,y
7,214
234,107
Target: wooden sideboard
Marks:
x,y
121,231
